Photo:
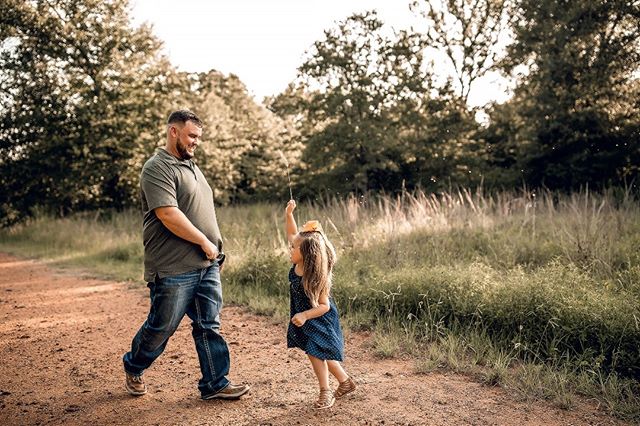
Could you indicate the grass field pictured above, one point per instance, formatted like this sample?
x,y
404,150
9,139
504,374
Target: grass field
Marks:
x,y
536,291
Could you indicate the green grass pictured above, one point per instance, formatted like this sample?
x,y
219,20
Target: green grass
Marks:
x,y
537,292
108,245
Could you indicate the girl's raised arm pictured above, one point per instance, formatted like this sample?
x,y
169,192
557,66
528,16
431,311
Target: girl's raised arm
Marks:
x,y
290,222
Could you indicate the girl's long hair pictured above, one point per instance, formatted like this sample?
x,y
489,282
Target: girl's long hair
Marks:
x,y
319,257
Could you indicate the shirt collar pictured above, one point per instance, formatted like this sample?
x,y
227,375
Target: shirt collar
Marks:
x,y
171,159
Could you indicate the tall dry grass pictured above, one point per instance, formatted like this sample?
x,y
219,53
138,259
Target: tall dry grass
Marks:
x,y
532,281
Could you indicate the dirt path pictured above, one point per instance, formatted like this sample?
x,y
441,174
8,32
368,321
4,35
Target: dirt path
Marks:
x,y
62,337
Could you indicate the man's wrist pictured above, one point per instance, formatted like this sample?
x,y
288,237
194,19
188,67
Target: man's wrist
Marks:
x,y
204,241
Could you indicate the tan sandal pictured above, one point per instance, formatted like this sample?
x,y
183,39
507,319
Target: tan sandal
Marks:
x,y
345,387
325,400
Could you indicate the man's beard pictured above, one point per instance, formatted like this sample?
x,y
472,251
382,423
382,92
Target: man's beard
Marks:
x,y
182,150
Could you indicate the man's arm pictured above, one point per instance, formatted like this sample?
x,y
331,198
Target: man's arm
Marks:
x,y
290,222
180,225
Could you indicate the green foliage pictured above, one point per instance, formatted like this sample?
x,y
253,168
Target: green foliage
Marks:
x,y
574,117
344,112
83,98
369,119
261,285
244,142
542,278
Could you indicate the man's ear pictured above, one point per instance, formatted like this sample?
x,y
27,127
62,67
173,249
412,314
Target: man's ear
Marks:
x,y
173,131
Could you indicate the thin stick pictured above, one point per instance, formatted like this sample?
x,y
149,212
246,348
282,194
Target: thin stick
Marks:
x,y
286,163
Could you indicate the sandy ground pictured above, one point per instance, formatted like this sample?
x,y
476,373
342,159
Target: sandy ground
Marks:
x,y
62,337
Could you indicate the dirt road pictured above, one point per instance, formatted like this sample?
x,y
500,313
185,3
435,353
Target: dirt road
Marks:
x,y
62,337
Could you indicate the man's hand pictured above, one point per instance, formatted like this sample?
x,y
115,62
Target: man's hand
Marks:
x,y
209,249
178,224
299,319
291,206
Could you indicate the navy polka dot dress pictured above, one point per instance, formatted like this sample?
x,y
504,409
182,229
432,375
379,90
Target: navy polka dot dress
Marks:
x,y
320,337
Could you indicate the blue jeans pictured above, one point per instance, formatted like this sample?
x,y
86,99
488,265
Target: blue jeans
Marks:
x,y
198,294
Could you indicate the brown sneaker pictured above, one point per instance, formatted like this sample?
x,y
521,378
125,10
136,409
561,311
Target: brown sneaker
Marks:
x,y
230,392
135,384
345,387
325,400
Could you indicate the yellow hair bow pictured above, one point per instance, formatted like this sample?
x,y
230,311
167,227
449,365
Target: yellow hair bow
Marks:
x,y
312,226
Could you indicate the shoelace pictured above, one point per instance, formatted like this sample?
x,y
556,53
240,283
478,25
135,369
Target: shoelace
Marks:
x,y
137,379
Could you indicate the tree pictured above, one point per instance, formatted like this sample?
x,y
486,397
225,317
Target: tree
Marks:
x,y
469,32
579,99
84,99
371,117
243,140
439,144
505,143
343,101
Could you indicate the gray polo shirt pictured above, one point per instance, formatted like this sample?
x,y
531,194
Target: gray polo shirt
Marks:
x,y
168,181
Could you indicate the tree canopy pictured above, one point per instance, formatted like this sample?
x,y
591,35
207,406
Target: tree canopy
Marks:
x,y
84,97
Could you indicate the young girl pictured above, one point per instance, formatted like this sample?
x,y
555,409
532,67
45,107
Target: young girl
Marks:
x,y
315,326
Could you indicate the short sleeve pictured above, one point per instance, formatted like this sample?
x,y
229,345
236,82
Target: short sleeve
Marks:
x,y
158,187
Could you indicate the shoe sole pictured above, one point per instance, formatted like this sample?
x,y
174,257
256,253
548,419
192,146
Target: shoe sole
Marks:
x,y
345,394
326,406
227,395
134,392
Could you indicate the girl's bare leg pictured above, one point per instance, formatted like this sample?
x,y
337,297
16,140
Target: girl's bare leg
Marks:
x,y
321,370
335,368
326,399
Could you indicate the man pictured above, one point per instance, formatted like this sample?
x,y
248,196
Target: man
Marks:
x,y
182,260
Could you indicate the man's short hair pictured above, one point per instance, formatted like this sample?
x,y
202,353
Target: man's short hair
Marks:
x,y
182,116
